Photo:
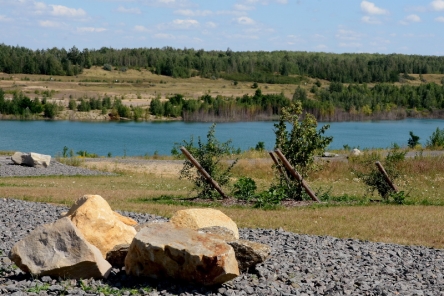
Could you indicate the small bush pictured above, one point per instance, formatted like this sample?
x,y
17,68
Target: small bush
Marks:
x,y
270,198
244,188
372,177
209,155
107,67
436,140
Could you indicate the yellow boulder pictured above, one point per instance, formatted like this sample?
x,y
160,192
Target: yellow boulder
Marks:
x,y
99,224
201,218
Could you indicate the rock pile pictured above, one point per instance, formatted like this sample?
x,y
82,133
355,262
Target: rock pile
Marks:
x,y
89,239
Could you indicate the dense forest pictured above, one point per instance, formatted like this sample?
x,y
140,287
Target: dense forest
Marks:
x,y
257,66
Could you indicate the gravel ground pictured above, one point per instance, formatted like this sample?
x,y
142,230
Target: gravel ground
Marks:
x,y
9,169
298,265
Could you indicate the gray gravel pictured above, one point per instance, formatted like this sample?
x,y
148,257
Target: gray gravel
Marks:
x,y
299,265
9,169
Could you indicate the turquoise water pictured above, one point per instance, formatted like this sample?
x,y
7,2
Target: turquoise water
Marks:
x,y
140,138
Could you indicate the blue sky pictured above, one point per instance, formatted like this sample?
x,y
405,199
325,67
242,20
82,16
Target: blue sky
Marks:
x,y
395,26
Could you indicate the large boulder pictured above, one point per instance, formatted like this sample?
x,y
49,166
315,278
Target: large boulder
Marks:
x,y
248,253
59,250
31,159
164,250
100,225
201,218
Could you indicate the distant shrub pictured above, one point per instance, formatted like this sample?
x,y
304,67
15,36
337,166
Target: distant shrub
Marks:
x,y
436,139
107,67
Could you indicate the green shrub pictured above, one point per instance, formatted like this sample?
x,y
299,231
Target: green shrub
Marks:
x,y
367,171
271,198
107,67
244,188
209,155
436,140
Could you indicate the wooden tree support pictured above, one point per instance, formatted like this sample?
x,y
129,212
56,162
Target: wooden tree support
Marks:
x,y
295,174
386,176
202,171
279,167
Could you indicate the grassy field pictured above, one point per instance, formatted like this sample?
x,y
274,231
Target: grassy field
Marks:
x,y
356,214
136,186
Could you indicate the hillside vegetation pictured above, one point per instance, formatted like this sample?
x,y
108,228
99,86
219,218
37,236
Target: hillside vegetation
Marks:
x,y
197,85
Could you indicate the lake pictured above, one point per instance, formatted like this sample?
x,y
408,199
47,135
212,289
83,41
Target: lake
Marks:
x,y
140,138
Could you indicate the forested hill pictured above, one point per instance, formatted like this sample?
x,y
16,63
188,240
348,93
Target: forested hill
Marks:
x,y
257,66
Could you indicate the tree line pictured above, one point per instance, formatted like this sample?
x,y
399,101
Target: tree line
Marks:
x,y
259,66
336,102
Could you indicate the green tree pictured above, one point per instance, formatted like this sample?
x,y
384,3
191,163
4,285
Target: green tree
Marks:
x,y
156,107
413,141
300,144
50,110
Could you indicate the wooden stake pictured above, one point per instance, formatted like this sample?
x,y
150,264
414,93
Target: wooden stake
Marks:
x,y
386,176
279,166
202,171
295,174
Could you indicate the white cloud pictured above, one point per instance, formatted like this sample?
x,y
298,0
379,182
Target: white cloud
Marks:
x,y
440,19
49,24
167,3
129,10
322,47
348,35
318,36
245,20
90,30
350,44
141,29
164,36
437,5
413,18
60,10
230,12
371,8
4,18
211,25
243,7
189,12
370,20
185,24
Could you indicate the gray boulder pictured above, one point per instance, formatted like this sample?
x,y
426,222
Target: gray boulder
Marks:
x,y
31,159
59,250
248,253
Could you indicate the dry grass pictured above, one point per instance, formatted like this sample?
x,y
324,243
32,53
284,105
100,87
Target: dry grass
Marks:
x,y
139,183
